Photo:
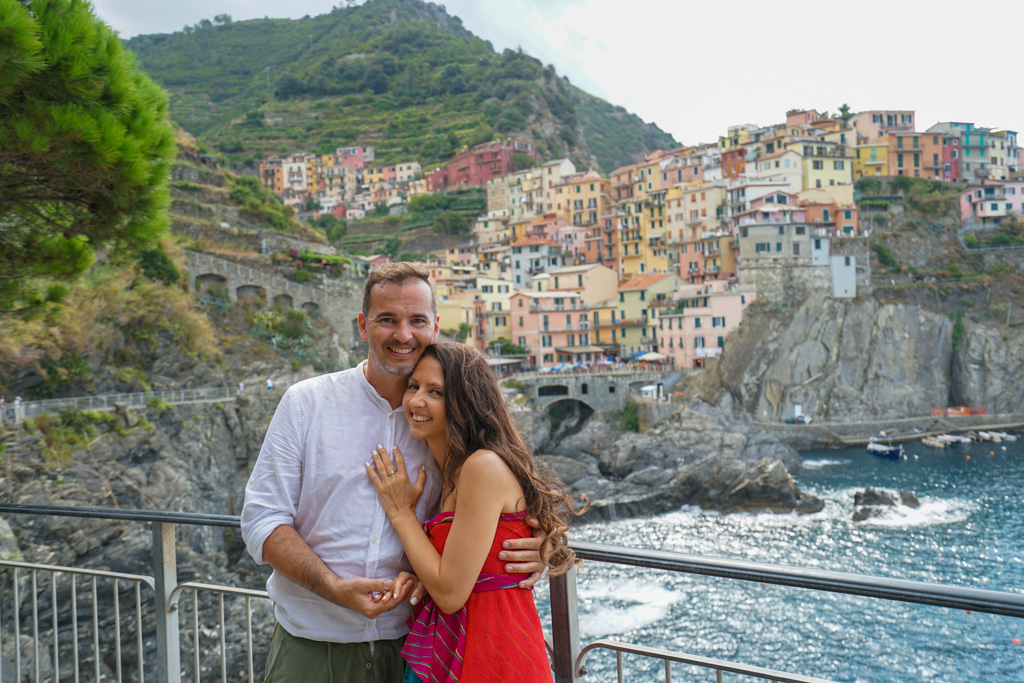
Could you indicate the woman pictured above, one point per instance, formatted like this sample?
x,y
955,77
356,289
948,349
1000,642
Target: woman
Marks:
x,y
476,624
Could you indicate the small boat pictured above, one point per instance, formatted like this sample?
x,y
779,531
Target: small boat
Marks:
x,y
933,442
886,450
990,436
1003,436
953,438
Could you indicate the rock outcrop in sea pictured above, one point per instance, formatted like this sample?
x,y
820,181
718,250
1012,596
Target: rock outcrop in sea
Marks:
x,y
698,455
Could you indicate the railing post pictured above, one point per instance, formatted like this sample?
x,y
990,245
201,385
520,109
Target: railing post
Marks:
x,y
565,626
165,575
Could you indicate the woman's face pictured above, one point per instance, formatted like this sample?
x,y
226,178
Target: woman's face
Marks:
x,y
424,400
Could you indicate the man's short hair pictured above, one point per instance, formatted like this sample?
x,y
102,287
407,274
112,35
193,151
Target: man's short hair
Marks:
x,y
396,273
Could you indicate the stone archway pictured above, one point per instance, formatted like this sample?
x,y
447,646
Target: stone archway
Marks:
x,y
283,301
311,308
251,294
567,417
210,281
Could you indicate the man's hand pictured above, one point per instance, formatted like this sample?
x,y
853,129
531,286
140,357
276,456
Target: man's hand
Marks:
x,y
371,597
287,553
523,555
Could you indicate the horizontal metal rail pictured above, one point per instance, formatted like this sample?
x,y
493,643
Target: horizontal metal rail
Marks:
x,y
128,515
956,597
719,665
30,409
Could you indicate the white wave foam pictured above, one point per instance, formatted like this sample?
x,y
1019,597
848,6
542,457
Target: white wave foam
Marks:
x,y
933,511
616,607
824,462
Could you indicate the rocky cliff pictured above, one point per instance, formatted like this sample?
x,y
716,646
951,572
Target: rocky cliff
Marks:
x,y
863,360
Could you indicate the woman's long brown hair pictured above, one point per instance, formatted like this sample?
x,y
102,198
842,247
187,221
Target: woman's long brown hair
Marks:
x,y
477,419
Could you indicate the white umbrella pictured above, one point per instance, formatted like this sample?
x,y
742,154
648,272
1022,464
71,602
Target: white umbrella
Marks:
x,y
652,355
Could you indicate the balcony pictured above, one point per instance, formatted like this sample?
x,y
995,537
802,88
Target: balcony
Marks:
x,y
535,308
632,322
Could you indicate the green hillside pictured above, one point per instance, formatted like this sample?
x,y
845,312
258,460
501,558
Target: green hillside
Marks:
x,y
399,75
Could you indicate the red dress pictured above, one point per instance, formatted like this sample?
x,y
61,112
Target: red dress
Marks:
x,y
504,639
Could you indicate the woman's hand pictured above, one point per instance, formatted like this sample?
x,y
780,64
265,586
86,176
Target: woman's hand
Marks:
x,y
398,495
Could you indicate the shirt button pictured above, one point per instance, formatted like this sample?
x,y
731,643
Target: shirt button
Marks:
x,y
373,540
368,665
370,622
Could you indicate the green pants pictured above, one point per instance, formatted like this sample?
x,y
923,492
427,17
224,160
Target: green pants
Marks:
x,y
298,660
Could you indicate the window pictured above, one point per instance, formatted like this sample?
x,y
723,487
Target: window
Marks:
x,y
545,340
696,323
800,230
778,246
718,322
522,342
698,342
502,289
838,165
818,164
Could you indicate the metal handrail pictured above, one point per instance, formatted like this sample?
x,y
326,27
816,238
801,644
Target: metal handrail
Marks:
x,y
955,597
718,665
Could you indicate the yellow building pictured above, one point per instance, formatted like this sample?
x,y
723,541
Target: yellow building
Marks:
x,y
823,164
737,137
636,322
871,159
653,234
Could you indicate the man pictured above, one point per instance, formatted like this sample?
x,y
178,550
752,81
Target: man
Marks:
x,y
340,579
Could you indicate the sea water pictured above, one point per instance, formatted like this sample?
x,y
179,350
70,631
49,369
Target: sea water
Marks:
x,y
968,531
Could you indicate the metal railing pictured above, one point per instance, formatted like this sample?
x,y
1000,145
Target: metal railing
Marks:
x,y
30,409
164,656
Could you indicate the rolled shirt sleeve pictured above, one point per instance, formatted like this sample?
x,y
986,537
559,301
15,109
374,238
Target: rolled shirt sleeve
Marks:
x,y
272,493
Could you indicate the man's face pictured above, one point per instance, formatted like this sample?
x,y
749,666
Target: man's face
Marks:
x,y
399,325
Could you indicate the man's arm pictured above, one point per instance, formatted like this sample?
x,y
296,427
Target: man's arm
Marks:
x,y
287,553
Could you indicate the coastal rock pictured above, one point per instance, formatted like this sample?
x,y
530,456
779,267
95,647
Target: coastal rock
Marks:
x,y
875,503
699,455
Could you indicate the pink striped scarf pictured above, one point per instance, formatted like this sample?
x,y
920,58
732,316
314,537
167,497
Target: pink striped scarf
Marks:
x,y
436,642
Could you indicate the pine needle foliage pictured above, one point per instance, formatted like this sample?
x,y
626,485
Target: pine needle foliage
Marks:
x,y
86,154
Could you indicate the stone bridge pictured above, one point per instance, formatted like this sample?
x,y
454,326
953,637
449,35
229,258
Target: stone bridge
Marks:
x,y
338,301
601,391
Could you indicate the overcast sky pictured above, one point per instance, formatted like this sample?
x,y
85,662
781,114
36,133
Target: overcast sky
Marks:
x,y
695,68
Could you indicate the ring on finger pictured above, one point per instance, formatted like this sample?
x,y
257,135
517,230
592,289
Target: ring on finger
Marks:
x,y
390,473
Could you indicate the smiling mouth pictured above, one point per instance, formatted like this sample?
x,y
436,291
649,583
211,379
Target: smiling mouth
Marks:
x,y
402,350
421,418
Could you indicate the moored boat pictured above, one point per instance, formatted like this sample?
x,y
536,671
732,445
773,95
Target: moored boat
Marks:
x,y
886,450
933,442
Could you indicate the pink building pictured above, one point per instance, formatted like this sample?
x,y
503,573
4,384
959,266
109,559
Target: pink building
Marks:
x,y
553,326
992,202
353,157
474,167
693,326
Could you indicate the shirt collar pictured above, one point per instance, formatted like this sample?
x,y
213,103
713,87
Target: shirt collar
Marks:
x,y
377,399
